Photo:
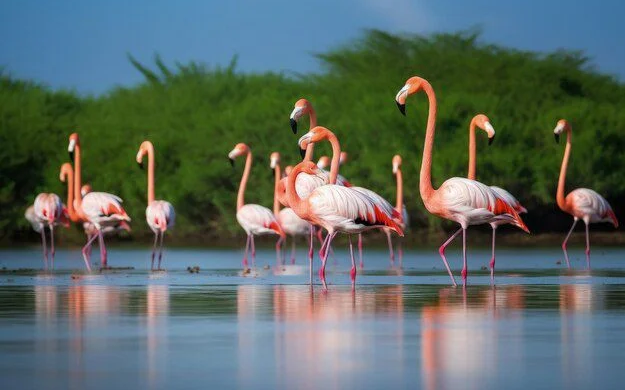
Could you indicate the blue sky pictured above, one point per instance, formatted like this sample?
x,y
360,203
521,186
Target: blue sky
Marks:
x,y
82,45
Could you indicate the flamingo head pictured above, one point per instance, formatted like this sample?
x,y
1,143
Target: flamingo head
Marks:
x,y
307,167
274,160
561,126
145,148
66,170
85,189
342,158
413,85
288,169
302,107
323,162
239,150
73,141
483,123
396,163
316,134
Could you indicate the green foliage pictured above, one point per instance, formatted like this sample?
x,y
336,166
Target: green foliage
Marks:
x,y
194,115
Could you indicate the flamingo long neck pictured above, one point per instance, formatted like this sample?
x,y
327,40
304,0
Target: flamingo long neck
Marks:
x,y
425,176
400,191
565,162
336,156
69,177
293,199
472,150
78,182
246,175
311,146
150,151
276,202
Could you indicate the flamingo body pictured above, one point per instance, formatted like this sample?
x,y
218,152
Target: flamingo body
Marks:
x,y
589,206
160,216
103,209
258,220
291,223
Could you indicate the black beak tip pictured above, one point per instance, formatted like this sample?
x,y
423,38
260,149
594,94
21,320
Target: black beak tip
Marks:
x,y
231,161
402,108
490,140
557,137
71,156
293,125
140,164
302,152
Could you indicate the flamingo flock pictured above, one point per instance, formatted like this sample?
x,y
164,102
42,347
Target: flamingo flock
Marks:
x,y
310,201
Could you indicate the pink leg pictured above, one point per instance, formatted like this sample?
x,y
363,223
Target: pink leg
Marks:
x,y
587,247
389,240
566,255
441,251
400,251
85,251
247,247
253,251
45,247
464,257
103,257
352,273
278,250
311,252
492,260
52,247
293,249
322,271
360,250
160,251
154,249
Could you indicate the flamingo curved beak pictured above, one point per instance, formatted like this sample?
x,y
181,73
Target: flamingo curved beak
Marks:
x,y
402,108
293,125
557,137
490,140
231,161
295,115
140,163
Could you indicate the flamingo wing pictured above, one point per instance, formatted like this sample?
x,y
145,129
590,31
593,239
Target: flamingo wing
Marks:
x,y
351,210
509,198
256,219
588,203
32,218
160,215
103,208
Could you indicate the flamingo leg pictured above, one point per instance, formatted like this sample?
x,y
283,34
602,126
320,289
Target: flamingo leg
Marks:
x,y
103,256
360,250
389,240
293,249
352,273
154,249
86,248
322,271
89,253
278,250
400,252
52,251
311,252
492,259
247,247
587,246
253,248
464,257
566,255
45,247
441,251
160,251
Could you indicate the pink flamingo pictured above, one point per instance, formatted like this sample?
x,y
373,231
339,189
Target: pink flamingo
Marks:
x,y
100,208
336,208
482,121
253,218
467,202
581,203
159,214
289,221
400,207
48,210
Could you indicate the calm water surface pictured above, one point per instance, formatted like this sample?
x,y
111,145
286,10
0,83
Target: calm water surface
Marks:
x,y
540,327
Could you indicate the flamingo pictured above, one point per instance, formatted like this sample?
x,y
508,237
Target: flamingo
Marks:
x,y
48,210
99,208
253,218
289,221
159,214
581,203
482,121
464,201
338,209
351,210
401,209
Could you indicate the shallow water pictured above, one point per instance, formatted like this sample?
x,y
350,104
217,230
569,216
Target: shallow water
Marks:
x,y
542,326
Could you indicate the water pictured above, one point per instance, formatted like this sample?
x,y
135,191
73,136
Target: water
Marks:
x,y
540,327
